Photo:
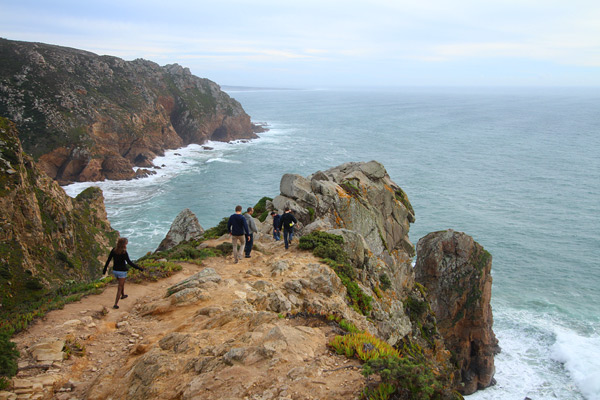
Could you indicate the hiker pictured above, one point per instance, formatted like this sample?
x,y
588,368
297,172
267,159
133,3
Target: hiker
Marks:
x,y
252,228
276,230
238,229
287,222
120,268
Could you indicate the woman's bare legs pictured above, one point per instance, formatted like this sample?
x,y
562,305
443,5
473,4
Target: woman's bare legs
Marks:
x,y
120,290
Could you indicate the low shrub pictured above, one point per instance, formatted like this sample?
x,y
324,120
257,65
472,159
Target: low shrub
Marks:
x,y
216,231
363,346
260,209
8,359
329,247
410,380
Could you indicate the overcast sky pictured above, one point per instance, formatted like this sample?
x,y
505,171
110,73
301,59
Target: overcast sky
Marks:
x,y
329,43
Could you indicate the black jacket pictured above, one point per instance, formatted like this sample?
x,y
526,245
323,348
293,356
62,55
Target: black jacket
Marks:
x,y
286,221
120,263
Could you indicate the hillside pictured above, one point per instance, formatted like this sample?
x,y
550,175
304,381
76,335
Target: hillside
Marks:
x,y
86,117
47,239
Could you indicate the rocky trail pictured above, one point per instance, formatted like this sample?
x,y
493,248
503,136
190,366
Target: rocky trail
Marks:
x,y
225,344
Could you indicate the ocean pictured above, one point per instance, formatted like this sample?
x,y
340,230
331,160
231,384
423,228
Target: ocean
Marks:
x,y
516,168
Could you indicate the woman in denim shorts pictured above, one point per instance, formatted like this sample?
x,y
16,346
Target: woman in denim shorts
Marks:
x,y
120,268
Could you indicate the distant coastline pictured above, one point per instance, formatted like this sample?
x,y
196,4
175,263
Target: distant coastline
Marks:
x,y
228,88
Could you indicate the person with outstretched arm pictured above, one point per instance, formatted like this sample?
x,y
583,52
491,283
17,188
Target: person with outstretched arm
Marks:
x,y
120,268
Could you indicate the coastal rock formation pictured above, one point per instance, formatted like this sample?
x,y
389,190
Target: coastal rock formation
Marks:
x,y
185,227
455,270
264,328
47,238
360,202
88,117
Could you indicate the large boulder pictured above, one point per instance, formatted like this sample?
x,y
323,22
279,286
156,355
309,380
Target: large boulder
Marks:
x,y
185,227
455,270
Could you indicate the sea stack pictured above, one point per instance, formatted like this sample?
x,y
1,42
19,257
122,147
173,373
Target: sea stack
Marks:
x,y
455,270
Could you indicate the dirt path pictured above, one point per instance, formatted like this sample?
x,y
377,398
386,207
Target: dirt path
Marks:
x,y
91,322
114,337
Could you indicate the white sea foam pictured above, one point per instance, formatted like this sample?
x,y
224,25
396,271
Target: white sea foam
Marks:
x,y
525,367
581,357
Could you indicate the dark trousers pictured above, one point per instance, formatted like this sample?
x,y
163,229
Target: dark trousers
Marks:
x,y
248,246
288,235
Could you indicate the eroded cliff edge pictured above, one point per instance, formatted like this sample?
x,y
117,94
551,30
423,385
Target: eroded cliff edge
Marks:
x,y
88,118
47,238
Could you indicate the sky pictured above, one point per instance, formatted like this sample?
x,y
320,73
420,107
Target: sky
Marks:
x,y
330,43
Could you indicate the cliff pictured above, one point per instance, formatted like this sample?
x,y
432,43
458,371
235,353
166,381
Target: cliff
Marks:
x,y
456,272
47,238
313,321
87,117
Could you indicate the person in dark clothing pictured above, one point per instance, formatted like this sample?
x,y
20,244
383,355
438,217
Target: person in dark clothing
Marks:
x,y
276,229
287,222
120,268
238,229
252,228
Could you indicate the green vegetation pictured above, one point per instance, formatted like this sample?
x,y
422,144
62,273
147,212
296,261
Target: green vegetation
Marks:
x,y
352,187
73,347
260,209
216,231
408,379
403,198
385,281
311,213
329,247
8,359
363,346
189,252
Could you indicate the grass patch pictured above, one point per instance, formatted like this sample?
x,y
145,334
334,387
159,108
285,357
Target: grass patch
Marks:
x,y
329,247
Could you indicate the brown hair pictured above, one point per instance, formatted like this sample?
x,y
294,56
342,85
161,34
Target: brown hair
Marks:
x,y
121,245
238,208
250,209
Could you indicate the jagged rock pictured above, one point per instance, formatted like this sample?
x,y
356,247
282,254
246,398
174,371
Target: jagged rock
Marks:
x,y
90,117
455,270
185,227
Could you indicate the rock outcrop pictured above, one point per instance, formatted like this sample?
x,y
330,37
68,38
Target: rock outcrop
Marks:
x,y
46,237
360,202
185,227
455,270
89,118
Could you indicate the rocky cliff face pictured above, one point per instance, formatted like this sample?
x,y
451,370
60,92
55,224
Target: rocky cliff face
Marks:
x,y
46,237
88,117
456,272
360,202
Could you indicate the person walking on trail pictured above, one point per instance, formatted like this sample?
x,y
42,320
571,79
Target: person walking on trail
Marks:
x,y
276,229
238,229
287,222
252,228
120,268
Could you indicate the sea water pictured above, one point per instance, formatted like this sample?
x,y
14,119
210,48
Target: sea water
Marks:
x,y
518,169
